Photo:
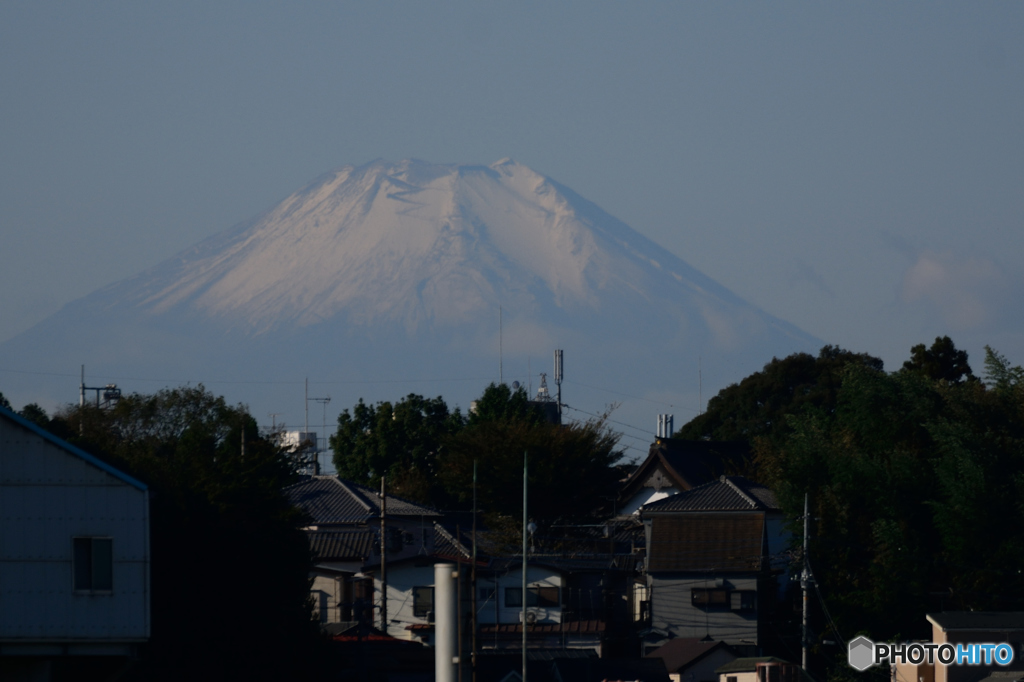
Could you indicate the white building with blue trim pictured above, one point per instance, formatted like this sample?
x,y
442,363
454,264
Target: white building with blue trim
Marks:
x,y
74,554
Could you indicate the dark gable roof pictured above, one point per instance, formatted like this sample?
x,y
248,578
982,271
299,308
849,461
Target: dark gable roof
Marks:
x,y
683,651
977,620
687,463
336,545
728,493
447,546
71,449
748,665
329,499
707,542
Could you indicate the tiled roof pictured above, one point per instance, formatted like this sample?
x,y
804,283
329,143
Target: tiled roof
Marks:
x,y
978,620
573,564
445,544
341,544
748,665
706,542
571,627
682,651
728,493
329,499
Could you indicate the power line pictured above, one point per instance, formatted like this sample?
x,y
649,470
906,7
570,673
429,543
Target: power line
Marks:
x,y
646,432
255,381
629,395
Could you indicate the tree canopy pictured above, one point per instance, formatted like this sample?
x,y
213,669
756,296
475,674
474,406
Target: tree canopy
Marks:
x,y
914,478
757,406
218,517
428,451
400,440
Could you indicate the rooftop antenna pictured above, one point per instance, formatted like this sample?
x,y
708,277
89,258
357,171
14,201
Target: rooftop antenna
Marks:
x,y
542,392
111,393
700,388
316,445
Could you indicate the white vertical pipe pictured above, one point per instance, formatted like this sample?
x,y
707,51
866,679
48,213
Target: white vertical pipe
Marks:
x,y
445,623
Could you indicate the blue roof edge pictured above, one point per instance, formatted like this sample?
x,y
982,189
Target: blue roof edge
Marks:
x,y
76,451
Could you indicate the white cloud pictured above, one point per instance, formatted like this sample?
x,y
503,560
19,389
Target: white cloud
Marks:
x,y
966,291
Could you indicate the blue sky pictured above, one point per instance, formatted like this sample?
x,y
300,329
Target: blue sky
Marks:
x,y
854,168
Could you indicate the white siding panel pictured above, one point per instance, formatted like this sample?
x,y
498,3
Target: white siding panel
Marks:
x,y
672,609
48,496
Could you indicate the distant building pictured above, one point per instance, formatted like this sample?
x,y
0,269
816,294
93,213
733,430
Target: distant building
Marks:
x,y
965,627
674,465
710,568
74,556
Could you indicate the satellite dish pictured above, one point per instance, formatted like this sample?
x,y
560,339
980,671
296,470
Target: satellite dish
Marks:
x,y
515,385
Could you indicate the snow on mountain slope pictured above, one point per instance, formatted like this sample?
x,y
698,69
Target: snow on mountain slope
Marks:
x,y
421,244
423,255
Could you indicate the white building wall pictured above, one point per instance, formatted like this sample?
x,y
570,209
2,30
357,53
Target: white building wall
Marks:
x,y
402,578
48,496
672,609
644,496
536,576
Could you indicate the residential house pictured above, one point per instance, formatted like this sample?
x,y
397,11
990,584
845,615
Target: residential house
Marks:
x,y
714,557
761,669
573,602
566,665
964,627
674,465
74,555
688,659
344,532
339,557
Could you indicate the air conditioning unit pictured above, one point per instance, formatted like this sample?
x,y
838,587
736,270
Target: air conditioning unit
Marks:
x,y
535,615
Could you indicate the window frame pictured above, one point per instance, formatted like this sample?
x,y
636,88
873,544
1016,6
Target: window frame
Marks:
x,y
534,597
97,577
418,609
710,597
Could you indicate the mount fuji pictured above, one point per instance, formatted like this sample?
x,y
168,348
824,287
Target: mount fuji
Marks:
x,y
387,278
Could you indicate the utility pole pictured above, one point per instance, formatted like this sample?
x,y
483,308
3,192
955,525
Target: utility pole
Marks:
x,y
558,381
472,585
524,566
805,578
383,558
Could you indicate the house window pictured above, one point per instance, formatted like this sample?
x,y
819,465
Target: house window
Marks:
x,y
709,597
542,596
743,600
730,678
422,602
535,596
93,564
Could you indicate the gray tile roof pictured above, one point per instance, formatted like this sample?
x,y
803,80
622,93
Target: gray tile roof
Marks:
x,y
728,493
680,652
978,620
341,544
333,500
445,544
